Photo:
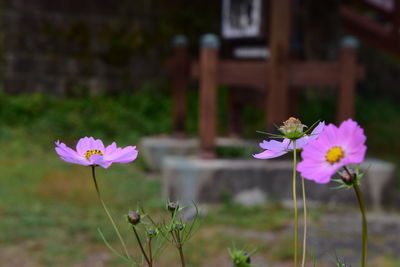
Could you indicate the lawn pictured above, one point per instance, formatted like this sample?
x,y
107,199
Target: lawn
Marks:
x,y
50,212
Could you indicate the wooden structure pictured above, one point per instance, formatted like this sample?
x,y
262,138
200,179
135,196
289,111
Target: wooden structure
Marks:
x,y
380,26
273,76
179,66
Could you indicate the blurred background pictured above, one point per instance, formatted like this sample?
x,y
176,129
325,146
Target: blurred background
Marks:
x,y
100,68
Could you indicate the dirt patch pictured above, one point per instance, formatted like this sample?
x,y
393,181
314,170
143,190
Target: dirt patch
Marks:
x,y
18,255
76,185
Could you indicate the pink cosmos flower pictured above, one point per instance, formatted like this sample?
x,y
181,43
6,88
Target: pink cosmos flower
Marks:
x,y
91,152
274,149
334,148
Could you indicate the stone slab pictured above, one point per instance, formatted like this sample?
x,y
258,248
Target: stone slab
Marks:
x,y
155,149
189,179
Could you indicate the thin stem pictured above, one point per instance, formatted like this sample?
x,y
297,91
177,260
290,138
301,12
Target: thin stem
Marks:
x,y
174,238
303,260
296,222
141,246
150,252
364,224
108,213
180,248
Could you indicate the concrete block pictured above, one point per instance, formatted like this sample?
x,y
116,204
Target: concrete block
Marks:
x,y
155,149
189,179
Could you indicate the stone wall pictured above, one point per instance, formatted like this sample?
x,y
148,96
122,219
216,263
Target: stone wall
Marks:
x,y
74,47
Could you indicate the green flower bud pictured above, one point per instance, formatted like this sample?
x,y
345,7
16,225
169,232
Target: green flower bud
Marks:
x,y
292,128
240,258
133,217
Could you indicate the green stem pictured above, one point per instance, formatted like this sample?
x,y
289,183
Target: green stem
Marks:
x,y
303,260
141,246
364,224
180,248
108,213
295,205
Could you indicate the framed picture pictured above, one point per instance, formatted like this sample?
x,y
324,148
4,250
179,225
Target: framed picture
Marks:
x,y
241,19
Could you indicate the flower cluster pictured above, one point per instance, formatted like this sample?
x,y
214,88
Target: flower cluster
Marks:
x,y
325,151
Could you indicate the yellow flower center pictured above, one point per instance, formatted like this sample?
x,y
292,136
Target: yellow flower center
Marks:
x,y
334,154
92,152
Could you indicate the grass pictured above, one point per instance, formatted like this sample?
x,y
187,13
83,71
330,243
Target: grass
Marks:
x,y
52,206
49,210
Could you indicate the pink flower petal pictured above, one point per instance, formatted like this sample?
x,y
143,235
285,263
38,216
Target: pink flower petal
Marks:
x,y
95,144
320,174
98,144
329,135
124,155
111,148
99,160
273,145
269,154
69,155
83,145
76,161
355,156
352,134
64,150
318,129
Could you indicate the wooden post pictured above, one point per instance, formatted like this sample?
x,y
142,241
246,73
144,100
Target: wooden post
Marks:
x,y
208,94
180,79
278,86
396,21
235,110
347,80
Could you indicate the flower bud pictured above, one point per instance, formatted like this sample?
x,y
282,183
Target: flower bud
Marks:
x,y
179,226
292,128
240,258
172,206
247,257
151,232
133,217
347,177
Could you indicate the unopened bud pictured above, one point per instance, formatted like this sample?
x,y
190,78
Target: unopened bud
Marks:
x,y
347,176
240,258
172,206
292,128
152,232
248,257
179,226
133,217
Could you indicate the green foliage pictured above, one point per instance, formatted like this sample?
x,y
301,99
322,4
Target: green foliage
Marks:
x,y
241,216
381,128
125,117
